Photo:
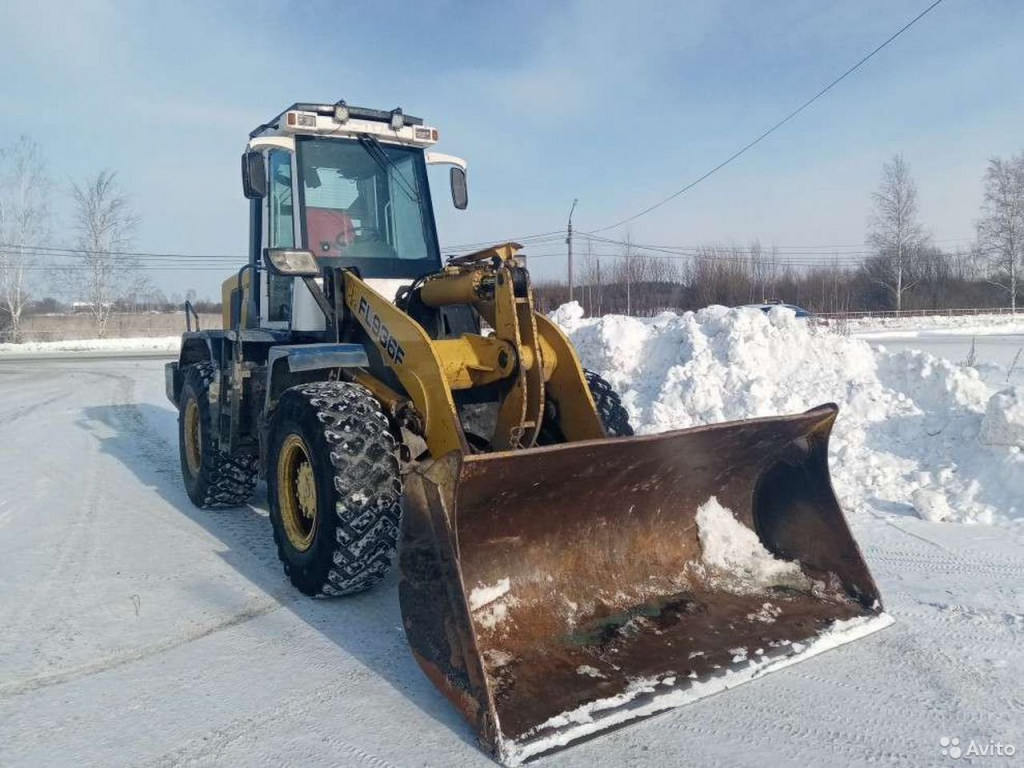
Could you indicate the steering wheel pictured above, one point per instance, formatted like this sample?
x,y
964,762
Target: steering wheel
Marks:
x,y
364,233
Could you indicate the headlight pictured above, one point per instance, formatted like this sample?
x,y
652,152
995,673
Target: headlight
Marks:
x,y
292,262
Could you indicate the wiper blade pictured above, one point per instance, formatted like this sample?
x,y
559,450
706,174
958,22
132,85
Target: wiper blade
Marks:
x,y
380,156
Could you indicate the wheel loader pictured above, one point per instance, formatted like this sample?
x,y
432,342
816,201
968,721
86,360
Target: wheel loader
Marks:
x,y
558,574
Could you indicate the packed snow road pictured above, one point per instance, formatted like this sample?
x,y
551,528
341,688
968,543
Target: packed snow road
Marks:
x,y
138,630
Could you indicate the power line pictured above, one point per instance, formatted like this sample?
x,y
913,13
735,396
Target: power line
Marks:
x,y
777,125
742,256
54,250
827,250
522,239
142,268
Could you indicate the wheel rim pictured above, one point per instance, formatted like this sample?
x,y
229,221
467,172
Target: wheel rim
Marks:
x,y
296,493
193,437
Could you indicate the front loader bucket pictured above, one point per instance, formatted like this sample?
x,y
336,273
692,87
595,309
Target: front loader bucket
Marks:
x,y
555,592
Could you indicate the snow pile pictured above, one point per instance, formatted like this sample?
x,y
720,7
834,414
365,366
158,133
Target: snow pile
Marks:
x,y
908,421
735,551
1004,418
154,344
931,506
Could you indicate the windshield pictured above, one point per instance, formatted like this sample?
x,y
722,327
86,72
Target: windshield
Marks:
x,y
366,211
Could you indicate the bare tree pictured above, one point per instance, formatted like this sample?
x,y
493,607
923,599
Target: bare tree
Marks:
x,y
24,225
591,280
763,269
894,231
105,224
1001,229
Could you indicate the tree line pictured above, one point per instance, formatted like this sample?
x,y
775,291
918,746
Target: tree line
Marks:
x,y
93,272
903,269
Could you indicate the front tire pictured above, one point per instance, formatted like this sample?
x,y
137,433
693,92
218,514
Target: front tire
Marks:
x,y
212,479
613,415
334,488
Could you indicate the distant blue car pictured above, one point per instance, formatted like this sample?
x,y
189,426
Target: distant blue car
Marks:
x,y
800,311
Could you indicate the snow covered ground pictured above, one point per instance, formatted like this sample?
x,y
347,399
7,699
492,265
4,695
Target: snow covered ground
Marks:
x,y
156,344
139,630
993,323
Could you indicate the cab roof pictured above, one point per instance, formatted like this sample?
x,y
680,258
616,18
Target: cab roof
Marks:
x,y
331,110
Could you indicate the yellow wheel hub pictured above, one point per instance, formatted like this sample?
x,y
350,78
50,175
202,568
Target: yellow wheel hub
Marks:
x,y
193,438
296,493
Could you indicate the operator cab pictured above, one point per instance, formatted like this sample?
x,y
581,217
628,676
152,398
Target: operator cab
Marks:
x,y
349,185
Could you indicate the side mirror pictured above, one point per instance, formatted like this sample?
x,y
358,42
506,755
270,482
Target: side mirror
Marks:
x,y
254,175
460,196
291,262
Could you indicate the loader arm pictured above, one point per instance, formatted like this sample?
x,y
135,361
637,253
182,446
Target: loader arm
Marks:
x,y
409,352
526,350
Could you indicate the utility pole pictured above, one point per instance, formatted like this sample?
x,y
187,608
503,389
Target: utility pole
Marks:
x,y
590,275
568,242
629,307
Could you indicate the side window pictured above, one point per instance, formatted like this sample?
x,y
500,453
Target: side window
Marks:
x,y
406,216
281,231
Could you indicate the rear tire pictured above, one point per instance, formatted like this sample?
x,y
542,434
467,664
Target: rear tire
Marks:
x,y
613,415
334,488
212,479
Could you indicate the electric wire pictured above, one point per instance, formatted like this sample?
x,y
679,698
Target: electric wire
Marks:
x,y
750,145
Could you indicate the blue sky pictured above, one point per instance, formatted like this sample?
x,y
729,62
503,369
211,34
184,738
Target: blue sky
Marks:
x,y
617,104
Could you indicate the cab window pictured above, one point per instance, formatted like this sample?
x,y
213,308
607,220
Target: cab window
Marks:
x,y
280,231
368,206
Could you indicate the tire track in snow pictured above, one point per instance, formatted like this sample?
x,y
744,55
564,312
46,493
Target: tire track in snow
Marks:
x,y
788,731
77,543
209,748
162,459
896,560
960,625
44,598
945,627
20,412
859,732
25,685
51,591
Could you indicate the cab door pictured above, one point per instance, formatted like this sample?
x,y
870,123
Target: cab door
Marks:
x,y
279,232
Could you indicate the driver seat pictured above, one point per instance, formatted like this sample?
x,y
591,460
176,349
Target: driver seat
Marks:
x,y
329,231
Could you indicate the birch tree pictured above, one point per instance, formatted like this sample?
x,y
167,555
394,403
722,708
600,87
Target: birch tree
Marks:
x,y
1001,228
24,226
105,225
894,231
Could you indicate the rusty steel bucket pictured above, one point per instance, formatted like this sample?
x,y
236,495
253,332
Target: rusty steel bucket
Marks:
x,y
555,592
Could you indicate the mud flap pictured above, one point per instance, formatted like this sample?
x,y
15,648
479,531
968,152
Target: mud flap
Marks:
x,y
555,592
